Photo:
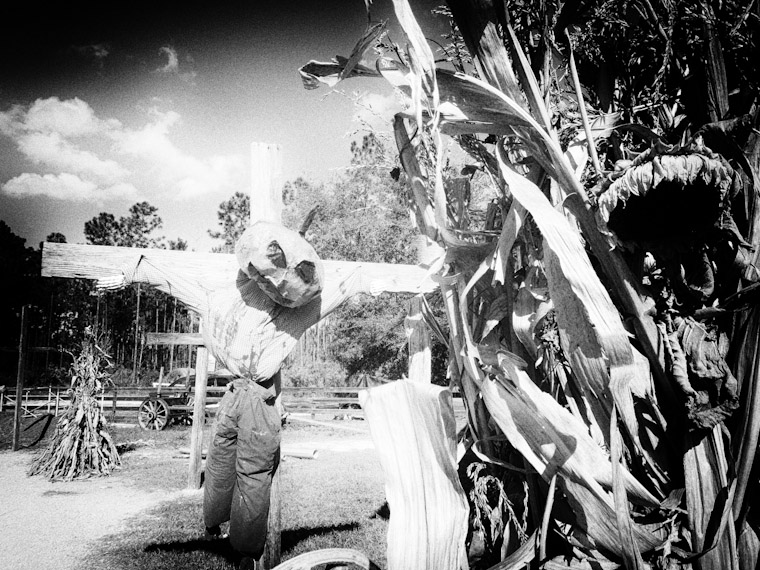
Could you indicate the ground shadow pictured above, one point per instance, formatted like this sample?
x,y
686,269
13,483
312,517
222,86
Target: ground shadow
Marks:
x,y
223,548
291,537
220,547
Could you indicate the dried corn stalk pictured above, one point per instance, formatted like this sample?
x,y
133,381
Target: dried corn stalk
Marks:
x,y
81,445
642,331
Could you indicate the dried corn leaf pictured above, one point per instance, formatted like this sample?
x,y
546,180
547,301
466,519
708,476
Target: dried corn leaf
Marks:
x,y
748,373
330,73
708,501
553,441
414,432
529,307
369,38
596,516
479,26
528,80
594,338
465,106
422,52
497,312
423,208
548,435
631,553
420,57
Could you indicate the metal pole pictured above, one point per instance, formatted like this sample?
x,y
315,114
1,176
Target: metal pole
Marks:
x,y
19,381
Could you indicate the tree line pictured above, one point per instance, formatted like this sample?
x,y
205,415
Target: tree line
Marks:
x,y
359,215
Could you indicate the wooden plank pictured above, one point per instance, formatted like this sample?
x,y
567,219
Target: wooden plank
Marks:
x,y
19,380
266,183
214,270
196,435
193,339
271,556
266,205
107,262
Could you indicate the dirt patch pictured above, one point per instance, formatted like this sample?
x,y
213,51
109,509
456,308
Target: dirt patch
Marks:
x,y
53,525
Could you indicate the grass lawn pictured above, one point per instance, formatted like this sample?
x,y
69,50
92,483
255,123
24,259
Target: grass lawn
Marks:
x,y
327,502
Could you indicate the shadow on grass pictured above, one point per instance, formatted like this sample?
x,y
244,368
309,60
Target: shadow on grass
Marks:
x,y
220,547
290,538
223,549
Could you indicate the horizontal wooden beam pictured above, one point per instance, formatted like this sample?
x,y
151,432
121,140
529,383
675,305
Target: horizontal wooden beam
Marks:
x,y
104,262
194,339
214,270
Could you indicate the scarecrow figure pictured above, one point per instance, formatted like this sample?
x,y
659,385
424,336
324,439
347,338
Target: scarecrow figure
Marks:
x,y
250,327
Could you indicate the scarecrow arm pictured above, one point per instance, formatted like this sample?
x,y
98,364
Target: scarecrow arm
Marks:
x,y
345,279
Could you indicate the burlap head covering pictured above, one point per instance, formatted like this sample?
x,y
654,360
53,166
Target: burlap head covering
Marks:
x,y
282,263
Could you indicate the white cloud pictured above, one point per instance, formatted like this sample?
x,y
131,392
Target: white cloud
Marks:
x,y
69,118
65,187
53,151
376,109
187,175
82,157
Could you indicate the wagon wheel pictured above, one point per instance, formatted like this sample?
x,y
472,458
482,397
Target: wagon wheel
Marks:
x,y
206,415
154,414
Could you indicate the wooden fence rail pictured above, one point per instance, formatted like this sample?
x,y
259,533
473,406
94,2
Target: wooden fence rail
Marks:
x,y
122,404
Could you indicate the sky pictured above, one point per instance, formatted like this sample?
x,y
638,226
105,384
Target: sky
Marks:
x,y
102,107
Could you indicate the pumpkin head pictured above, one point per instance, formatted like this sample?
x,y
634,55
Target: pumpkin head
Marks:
x,y
283,264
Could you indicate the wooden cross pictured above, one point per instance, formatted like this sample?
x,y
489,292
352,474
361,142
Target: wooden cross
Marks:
x,y
107,264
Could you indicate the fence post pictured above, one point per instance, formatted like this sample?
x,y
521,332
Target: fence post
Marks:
x,y
19,381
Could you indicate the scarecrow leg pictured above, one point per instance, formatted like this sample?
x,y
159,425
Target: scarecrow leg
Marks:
x,y
257,460
220,466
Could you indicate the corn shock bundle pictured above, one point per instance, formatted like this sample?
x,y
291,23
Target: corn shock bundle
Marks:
x,y
81,445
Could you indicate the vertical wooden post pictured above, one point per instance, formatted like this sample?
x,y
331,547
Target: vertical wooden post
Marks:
x,y
19,381
137,334
271,556
266,183
266,205
419,342
199,413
